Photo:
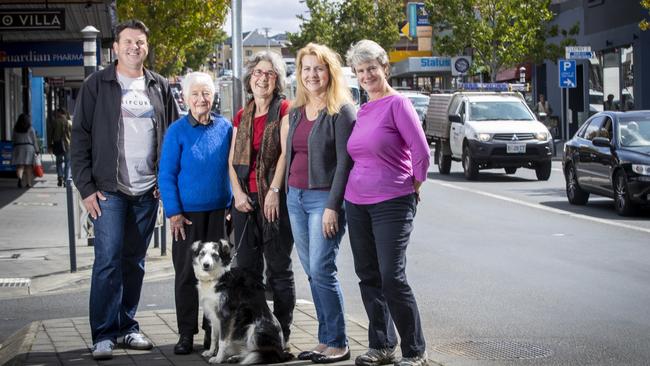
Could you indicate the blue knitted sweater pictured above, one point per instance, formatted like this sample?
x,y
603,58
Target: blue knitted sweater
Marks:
x,y
193,174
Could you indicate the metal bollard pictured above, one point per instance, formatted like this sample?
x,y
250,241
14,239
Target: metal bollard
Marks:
x,y
163,236
71,238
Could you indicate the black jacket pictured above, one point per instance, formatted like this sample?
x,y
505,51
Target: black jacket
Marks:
x,y
95,127
329,162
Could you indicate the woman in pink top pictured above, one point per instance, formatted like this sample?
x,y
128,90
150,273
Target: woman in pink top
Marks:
x,y
391,158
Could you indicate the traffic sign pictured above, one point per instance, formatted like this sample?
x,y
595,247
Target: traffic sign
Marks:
x,y
578,52
567,73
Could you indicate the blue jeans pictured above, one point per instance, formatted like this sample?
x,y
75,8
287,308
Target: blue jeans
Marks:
x,y
63,165
318,257
122,235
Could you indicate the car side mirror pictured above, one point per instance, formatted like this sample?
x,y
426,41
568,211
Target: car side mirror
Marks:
x,y
455,118
601,141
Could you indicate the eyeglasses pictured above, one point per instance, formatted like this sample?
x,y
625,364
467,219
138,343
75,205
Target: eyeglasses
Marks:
x,y
269,74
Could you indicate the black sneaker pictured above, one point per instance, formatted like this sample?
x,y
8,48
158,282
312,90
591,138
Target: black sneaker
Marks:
x,y
376,357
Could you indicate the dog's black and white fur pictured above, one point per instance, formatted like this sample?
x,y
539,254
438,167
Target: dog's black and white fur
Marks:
x,y
234,302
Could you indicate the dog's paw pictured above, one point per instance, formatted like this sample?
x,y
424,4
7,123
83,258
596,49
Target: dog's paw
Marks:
x,y
214,359
234,359
207,353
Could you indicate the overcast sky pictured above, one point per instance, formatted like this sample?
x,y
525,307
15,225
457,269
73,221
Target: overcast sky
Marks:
x,y
279,15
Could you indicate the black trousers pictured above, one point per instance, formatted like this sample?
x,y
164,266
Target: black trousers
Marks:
x,y
206,226
252,253
379,235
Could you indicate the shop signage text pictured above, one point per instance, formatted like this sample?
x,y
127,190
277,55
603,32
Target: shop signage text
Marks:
x,y
40,54
24,20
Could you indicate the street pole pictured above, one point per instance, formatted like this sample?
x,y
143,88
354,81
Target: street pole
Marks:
x,y
90,65
268,42
237,61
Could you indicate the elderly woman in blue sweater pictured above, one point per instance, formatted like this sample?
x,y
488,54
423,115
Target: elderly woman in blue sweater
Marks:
x,y
196,192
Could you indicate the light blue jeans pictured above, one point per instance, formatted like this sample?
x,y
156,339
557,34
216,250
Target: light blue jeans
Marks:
x,y
318,258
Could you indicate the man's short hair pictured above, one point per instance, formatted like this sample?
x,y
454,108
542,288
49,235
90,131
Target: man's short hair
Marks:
x,y
132,24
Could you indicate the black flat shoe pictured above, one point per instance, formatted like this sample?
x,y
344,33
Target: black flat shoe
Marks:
x,y
321,358
185,345
306,355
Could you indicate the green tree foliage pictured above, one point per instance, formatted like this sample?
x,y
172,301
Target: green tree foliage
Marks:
x,y
501,33
339,24
182,32
644,24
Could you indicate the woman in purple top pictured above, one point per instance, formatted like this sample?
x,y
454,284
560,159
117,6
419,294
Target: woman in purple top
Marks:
x,y
320,124
391,158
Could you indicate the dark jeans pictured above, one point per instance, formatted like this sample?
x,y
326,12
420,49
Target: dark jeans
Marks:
x,y
122,235
379,236
63,165
252,253
206,226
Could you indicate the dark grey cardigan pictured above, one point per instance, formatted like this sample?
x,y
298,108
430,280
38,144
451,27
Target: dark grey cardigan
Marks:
x,y
329,162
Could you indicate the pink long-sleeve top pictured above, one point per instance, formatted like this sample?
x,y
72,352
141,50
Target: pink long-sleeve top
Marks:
x,y
389,150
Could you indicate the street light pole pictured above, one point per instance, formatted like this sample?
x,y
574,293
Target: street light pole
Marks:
x,y
237,59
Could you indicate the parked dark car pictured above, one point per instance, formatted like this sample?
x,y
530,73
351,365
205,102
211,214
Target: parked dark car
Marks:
x,y
610,156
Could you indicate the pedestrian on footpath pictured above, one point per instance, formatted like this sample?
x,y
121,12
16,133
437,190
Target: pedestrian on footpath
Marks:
x,y
391,158
320,124
59,135
25,149
120,118
195,192
257,164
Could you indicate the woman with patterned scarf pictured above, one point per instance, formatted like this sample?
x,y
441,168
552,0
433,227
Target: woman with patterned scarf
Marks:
x,y
257,166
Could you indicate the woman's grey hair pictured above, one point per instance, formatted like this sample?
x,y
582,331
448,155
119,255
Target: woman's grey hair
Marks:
x,y
196,78
365,51
277,64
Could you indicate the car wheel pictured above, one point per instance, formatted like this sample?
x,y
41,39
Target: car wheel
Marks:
x,y
444,161
622,201
543,170
574,193
510,170
470,168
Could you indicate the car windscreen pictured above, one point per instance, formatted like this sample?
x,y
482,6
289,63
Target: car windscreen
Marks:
x,y
634,131
499,110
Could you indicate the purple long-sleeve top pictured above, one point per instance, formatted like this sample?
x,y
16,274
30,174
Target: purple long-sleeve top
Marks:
x,y
389,151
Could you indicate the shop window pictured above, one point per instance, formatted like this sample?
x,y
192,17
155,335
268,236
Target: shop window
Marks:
x,y
611,74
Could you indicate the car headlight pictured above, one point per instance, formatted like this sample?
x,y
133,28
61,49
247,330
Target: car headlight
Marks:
x,y
542,136
641,169
483,137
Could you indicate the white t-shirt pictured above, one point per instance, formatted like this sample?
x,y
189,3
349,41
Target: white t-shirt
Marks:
x,y
137,138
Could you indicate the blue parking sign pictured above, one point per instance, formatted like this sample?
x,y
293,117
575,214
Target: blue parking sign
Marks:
x,y
567,73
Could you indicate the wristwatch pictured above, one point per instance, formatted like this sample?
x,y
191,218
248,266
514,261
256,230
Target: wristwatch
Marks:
x,y
275,189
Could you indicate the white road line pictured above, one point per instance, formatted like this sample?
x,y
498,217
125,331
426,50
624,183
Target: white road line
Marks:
x,y
541,207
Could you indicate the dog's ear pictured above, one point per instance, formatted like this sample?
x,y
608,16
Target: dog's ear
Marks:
x,y
195,246
224,247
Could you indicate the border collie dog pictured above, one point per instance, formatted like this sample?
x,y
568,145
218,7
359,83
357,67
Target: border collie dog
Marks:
x,y
234,302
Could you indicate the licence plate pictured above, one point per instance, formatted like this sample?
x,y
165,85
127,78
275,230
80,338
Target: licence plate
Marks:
x,y
516,148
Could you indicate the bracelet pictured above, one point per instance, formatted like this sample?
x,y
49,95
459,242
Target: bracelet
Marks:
x,y
275,189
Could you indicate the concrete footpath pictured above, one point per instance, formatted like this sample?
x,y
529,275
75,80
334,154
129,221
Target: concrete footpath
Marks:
x,y
34,247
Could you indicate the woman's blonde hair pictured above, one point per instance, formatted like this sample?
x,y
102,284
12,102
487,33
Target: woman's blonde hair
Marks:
x,y
338,92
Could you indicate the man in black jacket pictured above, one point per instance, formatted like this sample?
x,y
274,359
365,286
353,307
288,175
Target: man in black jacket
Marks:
x,y
120,118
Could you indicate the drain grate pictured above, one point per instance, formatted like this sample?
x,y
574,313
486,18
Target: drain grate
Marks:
x,y
16,283
494,350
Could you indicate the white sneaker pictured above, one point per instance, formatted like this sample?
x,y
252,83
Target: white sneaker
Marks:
x,y
103,350
137,341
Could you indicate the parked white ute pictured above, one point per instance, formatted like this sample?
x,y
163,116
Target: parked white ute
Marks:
x,y
487,130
